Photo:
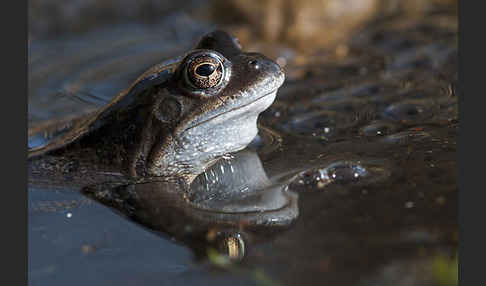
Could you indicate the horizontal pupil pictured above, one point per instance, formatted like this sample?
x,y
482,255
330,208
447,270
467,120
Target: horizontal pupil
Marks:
x,y
205,70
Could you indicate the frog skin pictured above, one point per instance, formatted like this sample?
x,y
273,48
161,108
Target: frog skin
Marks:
x,y
180,116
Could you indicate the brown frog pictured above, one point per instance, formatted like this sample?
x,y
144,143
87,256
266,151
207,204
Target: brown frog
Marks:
x,y
178,117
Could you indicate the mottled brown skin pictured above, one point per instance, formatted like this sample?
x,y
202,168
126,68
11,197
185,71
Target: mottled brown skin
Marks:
x,y
167,124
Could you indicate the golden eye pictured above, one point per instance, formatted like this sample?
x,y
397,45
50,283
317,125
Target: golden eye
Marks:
x,y
205,72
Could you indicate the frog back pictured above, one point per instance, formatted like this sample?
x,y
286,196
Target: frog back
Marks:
x,y
55,134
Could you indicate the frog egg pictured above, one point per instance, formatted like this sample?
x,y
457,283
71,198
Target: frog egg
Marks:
x,y
378,128
346,173
408,112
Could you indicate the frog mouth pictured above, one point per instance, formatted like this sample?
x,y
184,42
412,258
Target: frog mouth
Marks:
x,y
233,109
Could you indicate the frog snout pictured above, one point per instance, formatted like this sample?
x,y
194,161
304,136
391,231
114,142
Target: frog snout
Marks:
x,y
274,68
267,67
278,72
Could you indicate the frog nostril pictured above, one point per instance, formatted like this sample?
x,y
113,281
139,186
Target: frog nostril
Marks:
x,y
277,69
254,64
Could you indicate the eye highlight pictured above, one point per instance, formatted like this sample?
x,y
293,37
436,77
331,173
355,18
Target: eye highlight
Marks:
x,y
205,71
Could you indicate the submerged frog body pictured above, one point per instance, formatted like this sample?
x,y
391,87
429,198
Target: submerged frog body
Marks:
x,y
179,116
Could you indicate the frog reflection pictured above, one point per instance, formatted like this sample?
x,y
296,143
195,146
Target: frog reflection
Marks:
x,y
230,205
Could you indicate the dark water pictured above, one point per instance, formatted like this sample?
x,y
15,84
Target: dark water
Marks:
x,y
366,144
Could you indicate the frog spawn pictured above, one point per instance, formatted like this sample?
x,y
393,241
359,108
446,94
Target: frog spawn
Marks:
x,y
347,173
408,112
378,128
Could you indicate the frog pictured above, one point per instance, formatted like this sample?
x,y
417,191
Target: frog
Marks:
x,y
177,118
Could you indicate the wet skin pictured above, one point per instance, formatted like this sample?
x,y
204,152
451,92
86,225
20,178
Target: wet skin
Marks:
x,y
179,117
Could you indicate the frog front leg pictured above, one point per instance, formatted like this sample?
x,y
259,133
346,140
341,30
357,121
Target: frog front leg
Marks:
x,y
154,140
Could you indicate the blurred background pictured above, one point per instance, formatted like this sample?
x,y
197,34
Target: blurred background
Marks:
x,y
303,25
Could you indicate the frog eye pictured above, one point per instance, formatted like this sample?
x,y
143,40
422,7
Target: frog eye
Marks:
x,y
205,71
